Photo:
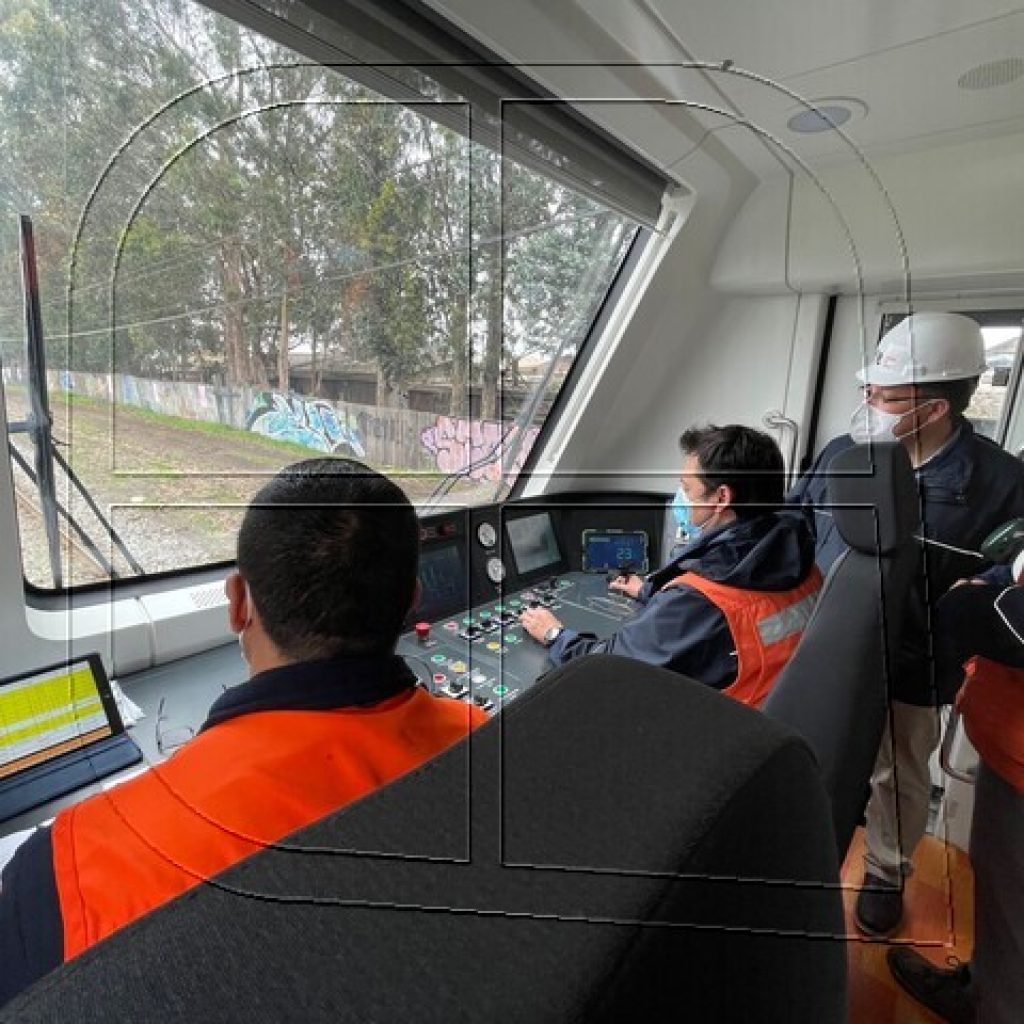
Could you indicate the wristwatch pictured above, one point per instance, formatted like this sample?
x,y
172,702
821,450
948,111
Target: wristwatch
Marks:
x,y
551,634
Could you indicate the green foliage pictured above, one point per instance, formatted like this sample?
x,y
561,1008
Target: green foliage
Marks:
x,y
207,205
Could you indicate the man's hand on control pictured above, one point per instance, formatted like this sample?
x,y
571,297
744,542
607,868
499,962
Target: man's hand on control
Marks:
x,y
537,621
629,585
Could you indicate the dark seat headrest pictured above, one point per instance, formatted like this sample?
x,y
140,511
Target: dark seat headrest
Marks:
x,y
873,497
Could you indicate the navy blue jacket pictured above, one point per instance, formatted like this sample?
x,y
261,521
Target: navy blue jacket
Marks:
x,y
966,492
31,926
968,623
680,628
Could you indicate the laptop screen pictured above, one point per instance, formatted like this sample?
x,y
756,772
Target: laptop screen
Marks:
x,y
50,712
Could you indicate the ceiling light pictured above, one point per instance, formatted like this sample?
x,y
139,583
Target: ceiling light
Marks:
x,y
824,115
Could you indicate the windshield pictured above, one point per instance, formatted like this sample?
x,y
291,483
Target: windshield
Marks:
x,y
244,259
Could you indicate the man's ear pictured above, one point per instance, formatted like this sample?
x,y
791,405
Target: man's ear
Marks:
x,y
239,612
728,495
940,407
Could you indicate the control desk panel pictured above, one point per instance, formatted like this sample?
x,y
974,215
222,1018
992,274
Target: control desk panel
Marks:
x,y
479,568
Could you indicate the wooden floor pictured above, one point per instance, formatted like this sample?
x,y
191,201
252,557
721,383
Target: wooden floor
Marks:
x,y
938,922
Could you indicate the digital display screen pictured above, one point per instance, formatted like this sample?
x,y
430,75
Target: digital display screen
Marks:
x,y
48,714
533,542
614,549
444,583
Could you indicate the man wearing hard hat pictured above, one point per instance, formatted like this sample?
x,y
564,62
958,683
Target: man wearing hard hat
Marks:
x,y
924,375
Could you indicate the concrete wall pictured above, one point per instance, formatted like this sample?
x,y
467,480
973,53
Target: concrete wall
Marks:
x,y
393,438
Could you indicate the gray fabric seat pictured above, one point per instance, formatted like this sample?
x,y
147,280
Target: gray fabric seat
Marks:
x,y
834,690
620,844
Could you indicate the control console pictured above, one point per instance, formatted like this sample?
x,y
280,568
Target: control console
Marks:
x,y
485,656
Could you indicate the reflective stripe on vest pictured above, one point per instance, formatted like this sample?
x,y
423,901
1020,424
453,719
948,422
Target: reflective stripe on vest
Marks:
x,y
228,793
991,702
765,625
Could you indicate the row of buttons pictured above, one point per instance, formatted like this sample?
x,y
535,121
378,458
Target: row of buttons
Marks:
x,y
457,688
489,620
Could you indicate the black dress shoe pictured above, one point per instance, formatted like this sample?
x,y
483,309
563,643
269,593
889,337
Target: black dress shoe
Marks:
x,y
879,907
946,993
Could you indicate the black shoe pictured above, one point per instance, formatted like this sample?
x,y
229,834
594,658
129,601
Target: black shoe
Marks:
x,y
879,907
944,992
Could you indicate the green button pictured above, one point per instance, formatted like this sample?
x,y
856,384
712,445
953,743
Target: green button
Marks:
x,y
511,638
437,658
500,691
498,608
468,620
516,603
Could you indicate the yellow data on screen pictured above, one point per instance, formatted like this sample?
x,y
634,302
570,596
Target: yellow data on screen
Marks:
x,y
50,712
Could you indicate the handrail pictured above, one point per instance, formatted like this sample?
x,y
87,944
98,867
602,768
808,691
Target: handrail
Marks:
x,y
777,420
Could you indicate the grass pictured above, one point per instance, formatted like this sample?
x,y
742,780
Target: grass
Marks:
x,y
182,423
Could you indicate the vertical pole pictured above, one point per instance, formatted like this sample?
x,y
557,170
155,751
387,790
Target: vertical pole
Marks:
x,y
39,419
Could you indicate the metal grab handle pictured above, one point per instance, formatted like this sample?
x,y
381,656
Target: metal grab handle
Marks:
x,y
776,420
946,751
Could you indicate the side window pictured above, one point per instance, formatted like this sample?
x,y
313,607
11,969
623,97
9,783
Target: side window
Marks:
x,y
990,407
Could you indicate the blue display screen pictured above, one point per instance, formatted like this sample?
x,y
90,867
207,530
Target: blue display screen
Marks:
x,y
614,549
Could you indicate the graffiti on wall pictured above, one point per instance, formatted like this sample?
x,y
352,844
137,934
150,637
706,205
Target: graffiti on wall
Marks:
x,y
481,446
307,421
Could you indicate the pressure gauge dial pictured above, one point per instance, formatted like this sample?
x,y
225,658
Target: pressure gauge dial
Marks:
x,y
487,535
495,570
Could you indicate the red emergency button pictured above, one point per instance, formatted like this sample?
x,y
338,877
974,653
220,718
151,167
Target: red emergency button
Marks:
x,y
422,631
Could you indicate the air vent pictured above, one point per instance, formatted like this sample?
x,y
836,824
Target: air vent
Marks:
x,y
211,596
996,72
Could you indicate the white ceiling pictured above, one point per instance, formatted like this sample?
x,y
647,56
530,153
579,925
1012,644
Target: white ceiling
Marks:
x,y
901,58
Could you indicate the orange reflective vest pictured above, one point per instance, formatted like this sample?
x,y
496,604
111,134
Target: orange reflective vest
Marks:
x,y
766,626
237,787
991,702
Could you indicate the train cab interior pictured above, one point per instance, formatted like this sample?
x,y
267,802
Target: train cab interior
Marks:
x,y
505,254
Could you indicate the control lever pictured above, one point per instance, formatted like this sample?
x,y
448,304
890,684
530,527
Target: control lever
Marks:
x,y
623,572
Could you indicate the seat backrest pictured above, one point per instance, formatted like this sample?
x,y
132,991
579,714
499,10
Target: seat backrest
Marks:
x,y
621,843
834,690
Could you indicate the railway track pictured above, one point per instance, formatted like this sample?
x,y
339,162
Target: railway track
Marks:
x,y
34,548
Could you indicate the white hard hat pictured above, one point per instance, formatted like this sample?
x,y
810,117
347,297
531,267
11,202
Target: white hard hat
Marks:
x,y
927,348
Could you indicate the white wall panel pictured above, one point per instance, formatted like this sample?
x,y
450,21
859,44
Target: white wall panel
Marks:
x,y
960,209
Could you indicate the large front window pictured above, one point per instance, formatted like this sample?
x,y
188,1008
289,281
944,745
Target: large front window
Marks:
x,y
246,258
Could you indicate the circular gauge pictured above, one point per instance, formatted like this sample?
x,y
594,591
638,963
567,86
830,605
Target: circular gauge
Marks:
x,y
495,569
487,535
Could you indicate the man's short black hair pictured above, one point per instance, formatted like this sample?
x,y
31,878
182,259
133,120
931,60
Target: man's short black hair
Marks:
x,y
957,392
746,460
330,550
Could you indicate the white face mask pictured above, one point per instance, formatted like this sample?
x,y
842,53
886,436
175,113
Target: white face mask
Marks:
x,y
870,424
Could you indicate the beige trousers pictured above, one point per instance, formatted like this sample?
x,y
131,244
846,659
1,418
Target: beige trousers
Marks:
x,y
901,788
